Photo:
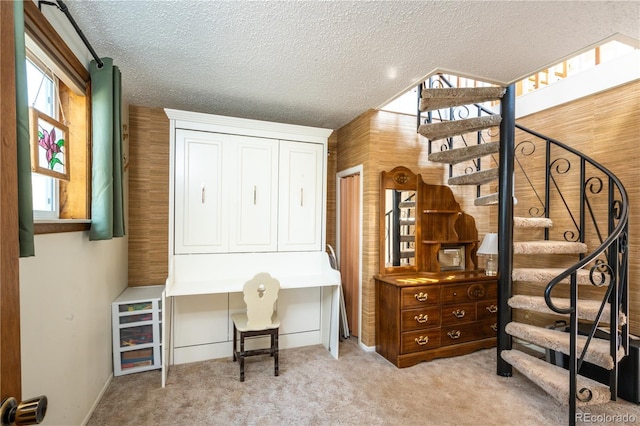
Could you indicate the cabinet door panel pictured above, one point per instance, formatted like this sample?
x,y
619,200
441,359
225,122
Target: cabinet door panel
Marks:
x,y
254,218
199,216
301,186
201,319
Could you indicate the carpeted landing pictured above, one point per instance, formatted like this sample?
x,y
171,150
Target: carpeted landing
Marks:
x,y
361,388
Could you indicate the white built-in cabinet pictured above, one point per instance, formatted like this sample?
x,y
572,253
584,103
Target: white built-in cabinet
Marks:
x,y
236,193
243,189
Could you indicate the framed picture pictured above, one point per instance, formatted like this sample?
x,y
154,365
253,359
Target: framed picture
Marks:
x,y
49,146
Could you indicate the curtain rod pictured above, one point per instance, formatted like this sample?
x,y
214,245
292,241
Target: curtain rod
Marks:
x,y
63,8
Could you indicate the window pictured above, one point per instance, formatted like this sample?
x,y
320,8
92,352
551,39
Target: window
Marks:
x,y
59,86
42,93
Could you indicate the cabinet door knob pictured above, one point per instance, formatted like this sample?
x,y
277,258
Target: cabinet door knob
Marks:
x,y
202,193
422,318
422,340
421,297
459,313
454,334
492,308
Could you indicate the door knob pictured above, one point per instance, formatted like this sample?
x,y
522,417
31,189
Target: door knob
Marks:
x,y
29,412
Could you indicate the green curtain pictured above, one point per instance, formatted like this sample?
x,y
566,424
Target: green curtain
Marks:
x,y
107,200
25,199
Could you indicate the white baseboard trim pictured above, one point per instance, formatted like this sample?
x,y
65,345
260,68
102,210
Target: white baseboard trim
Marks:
x,y
97,401
365,347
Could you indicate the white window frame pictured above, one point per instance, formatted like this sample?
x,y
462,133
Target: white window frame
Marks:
x,y
54,185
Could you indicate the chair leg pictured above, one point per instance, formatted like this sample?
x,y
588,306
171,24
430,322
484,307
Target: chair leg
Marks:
x,y
274,346
241,356
235,342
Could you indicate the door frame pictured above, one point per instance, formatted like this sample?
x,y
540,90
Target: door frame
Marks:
x,y
356,170
10,355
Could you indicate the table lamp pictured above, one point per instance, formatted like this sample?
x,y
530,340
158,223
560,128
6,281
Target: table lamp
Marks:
x,y
489,247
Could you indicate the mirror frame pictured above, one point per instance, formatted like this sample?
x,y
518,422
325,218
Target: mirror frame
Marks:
x,y
402,179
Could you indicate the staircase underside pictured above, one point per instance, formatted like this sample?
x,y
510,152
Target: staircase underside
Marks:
x,y
435,131
439,98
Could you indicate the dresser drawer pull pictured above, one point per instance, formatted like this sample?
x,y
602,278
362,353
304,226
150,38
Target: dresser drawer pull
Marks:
x,y
421,297
458,313
422,340
492,309
494,327
454,334
422,318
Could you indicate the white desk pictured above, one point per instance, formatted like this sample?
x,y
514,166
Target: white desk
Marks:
x,y
200,274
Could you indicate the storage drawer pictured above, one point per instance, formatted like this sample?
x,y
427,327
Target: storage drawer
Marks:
x,y
420,340
413,297
136,358
469,292
414,319
139,335
458,314
455,334
487,309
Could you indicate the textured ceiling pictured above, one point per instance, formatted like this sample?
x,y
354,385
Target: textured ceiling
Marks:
x,y
322,63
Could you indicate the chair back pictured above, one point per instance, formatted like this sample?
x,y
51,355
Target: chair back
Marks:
x,y
260,295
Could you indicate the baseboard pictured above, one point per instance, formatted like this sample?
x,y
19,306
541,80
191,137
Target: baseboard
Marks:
x,y
365,347
97,401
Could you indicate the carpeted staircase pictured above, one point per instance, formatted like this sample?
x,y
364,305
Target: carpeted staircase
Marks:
x,y
553,379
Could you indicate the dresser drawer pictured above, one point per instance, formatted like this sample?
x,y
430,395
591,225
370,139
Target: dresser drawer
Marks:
x,y
461,293
455,334
413,297
415,319
488,309
414,341
458,314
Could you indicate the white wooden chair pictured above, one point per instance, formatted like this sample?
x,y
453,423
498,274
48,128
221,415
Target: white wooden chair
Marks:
x,y
260,319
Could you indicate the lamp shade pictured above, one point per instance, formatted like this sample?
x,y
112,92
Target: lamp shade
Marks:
x,y
489,244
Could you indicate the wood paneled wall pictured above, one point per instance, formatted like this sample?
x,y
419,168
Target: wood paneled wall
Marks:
x,y
148,196
604,126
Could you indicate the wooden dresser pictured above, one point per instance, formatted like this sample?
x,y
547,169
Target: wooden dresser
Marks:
x,y
426,315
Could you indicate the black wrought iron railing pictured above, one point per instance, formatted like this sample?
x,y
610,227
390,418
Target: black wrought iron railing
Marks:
x,y
590,202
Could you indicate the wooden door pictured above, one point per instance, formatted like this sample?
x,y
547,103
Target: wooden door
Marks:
x,y
300,196
350,247
10,366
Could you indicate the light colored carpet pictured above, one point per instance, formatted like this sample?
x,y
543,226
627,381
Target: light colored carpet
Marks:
x,y
361,388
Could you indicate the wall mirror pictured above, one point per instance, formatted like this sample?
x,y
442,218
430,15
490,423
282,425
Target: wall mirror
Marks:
x,y
399,229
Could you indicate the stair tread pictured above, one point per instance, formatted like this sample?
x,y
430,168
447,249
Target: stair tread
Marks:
x,y
587,309
548,247
556,340
435,131
544,275
458,155
475,178
532,222
554,379
439,98
407,204
487,200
